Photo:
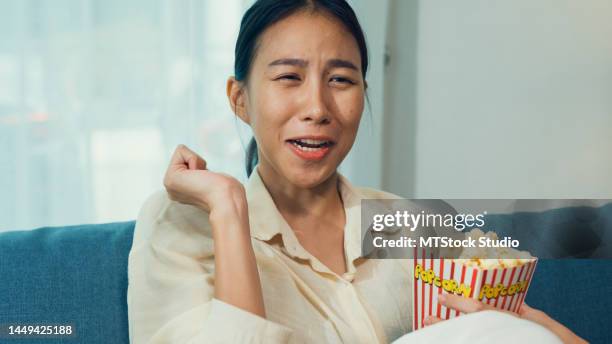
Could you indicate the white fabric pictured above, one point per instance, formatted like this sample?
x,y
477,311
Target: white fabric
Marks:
x,y
482,327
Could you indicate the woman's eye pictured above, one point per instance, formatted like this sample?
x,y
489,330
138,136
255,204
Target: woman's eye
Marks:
x,y
288,77
342,80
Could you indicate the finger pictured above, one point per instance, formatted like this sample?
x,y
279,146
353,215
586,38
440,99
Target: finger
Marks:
x,y
532,314
200,163
178,157
462,304
524,309
467,305
431,320
194,161
185,157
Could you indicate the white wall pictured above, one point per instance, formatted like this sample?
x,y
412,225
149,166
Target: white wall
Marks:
x,y
499,99
363,165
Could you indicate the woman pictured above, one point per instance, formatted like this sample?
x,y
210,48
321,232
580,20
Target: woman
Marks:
x,y
278,260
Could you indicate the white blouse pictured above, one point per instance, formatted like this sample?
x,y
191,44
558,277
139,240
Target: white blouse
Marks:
x,y
171,280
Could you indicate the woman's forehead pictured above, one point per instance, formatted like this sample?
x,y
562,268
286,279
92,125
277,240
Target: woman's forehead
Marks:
x,y
305,36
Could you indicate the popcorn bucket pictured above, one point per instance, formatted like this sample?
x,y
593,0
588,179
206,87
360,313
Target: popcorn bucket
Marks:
x,y
500,285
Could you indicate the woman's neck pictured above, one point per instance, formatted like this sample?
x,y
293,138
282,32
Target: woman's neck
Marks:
x,y
320,201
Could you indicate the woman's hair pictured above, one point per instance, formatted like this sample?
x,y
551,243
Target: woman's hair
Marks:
x,y
264,13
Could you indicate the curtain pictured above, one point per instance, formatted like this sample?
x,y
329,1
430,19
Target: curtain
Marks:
x,y
96,94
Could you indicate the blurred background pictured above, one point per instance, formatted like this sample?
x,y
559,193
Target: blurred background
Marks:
x,y
468,99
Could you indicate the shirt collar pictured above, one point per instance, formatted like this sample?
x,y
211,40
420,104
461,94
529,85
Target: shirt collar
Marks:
x,y
266,222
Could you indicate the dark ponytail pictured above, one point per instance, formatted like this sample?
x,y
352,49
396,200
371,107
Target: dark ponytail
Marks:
x,y
251,156
264,13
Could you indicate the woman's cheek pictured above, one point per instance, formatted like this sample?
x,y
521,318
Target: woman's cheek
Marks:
x,y
353,104
271,104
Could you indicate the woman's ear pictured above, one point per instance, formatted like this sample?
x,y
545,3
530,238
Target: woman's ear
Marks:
x,y
237,98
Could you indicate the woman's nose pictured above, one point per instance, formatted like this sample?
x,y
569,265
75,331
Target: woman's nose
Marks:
x,y
316,109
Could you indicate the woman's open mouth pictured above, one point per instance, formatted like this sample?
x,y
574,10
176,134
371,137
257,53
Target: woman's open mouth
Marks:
x,y
310,149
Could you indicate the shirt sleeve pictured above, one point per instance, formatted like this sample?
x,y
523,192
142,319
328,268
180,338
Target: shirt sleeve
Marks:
x,y
171,283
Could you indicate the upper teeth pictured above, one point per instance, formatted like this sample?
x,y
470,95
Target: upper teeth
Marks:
x,y
311,142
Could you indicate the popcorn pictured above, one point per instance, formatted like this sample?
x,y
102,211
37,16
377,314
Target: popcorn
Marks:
x,y
505,256
501,281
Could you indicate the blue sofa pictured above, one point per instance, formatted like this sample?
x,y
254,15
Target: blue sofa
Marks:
x,y
78,275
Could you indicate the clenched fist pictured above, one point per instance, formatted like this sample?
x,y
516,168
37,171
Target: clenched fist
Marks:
x,y
188,181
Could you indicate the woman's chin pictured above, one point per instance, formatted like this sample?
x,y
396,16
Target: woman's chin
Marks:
x,y
310,177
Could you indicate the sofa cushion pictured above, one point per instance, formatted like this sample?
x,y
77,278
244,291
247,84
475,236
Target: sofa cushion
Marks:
x,y
68,275
577,293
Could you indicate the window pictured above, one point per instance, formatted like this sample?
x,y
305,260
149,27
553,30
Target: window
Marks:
x,y
96,94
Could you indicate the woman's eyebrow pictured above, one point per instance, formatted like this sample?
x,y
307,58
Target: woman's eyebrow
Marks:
x,y
339,63
289,62
333,63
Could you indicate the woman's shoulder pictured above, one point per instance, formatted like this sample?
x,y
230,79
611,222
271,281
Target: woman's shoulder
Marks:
x,y
164,221
160,207
154,204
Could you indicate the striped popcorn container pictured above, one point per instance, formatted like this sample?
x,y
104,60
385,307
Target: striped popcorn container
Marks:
x,y
501,285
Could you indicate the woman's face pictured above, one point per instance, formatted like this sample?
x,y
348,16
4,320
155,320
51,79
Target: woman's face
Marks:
x,y
305,97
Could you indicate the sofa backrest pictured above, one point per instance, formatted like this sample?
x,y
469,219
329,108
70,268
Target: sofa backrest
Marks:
x,y
74,275
78,275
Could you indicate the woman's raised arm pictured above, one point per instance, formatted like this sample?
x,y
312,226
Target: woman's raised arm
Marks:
x,y
192,270
236,278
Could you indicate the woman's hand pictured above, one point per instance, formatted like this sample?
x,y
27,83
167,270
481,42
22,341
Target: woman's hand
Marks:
x,y
188,181
467,305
